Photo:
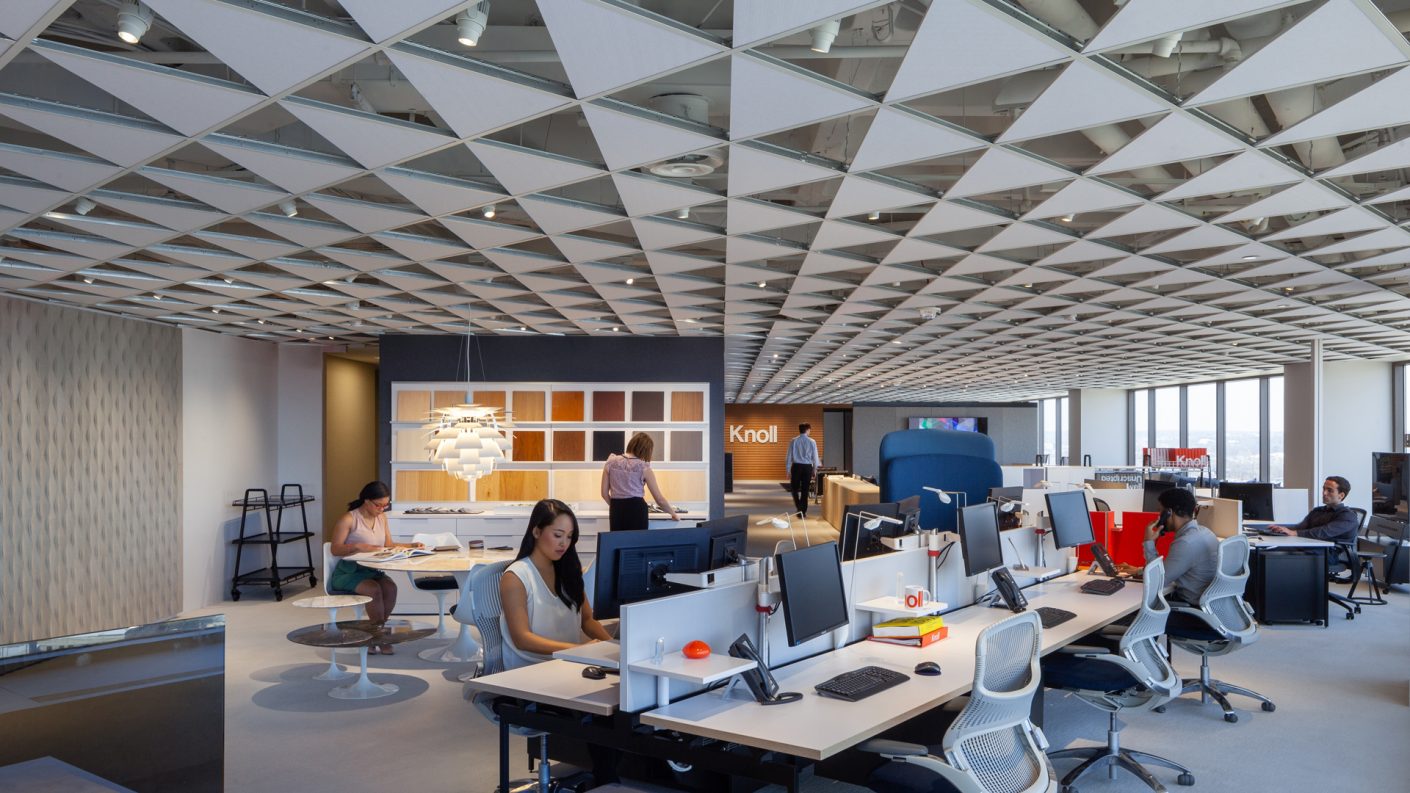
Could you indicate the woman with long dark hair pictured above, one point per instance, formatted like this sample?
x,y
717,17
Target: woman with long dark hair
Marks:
x,y
363,529
543,605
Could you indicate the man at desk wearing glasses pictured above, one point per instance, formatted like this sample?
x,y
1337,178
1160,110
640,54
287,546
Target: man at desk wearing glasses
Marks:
x,y
1333,521
1193,558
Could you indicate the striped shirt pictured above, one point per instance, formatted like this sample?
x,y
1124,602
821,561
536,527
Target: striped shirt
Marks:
x,y
803,450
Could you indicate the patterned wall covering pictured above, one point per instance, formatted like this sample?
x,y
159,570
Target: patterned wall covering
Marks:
x,y
90,471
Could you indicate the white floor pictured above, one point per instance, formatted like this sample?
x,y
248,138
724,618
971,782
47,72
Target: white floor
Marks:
x,y
1343,718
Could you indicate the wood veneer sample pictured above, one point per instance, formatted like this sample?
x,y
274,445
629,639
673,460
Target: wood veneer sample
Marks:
x,y
413,405
578,484
528,446
658,443
648,406
506,485
678,486
609,406
409,445
429,486
494,399
528,406
687,446
567,406
445,399
687,406
569,446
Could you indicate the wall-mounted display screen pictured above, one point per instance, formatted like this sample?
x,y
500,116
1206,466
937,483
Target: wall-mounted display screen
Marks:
x,y
963,424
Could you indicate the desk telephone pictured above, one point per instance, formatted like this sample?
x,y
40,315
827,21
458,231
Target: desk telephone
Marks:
x,y
760,680
1008,589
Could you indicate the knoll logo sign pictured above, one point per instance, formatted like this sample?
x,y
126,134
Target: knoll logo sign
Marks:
x,y
738,434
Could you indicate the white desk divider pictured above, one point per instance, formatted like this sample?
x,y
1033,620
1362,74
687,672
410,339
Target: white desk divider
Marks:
x,y
1223,516
1290,504
1129,500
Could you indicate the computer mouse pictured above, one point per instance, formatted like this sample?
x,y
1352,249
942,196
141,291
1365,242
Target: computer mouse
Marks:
x,y
928,668
594,672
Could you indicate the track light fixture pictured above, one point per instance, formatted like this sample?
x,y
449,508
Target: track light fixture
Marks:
x,y
683,213
470,23
488,211
289,208
824,34
874,215
133,20
83,206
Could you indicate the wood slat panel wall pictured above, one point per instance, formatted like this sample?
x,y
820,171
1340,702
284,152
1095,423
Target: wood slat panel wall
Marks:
x,y
528,406
512,486
764,461
430,486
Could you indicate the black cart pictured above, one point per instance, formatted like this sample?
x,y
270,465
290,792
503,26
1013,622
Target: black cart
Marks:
x,y
274,576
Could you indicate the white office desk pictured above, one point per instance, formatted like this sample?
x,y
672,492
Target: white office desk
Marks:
x,y
818,727
1281,542
559,683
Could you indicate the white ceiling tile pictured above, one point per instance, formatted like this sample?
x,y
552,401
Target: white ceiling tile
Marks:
x,y
1248,171
228,195
172,213
747,215
643,194
557,215
418,247
483,234
274,49
1145,219
767,96
898,135
118,139
1083,195
252,247
364,216
751,248
947,216
915,250
1081,251
755,170
1203,236
1302,197
73,172
1142,20
846,234
586,249
1005,169
472,99
1345,37
607,47
383,20
28,196
523,170
372,140
1084,95
657,233
306,232
1175,138
292,169
859,194
436,194
628,139
1024,235
21,15
1378,105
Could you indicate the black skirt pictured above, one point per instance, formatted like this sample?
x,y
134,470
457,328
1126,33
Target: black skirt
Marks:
x,y
627,514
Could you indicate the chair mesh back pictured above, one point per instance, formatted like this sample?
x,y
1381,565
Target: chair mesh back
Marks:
x,y
1140,642
1224,596
991,739
484,607
328,568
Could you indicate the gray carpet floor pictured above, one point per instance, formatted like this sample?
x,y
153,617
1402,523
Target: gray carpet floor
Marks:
x,y
1342,723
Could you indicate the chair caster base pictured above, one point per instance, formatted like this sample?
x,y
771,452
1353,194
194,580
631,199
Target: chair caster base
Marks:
x,y
1160,709
1185,780
1269,707
1232,718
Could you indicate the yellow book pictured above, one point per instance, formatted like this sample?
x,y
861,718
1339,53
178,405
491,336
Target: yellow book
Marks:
x,y
908,626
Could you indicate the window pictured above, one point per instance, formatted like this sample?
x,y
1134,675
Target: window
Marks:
x,y
1140,407
1065,427
1167,417
1048,417
1201,425
1275,430
1241,430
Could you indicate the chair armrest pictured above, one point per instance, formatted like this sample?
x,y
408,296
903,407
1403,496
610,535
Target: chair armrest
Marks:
x,y
887,748
1083,649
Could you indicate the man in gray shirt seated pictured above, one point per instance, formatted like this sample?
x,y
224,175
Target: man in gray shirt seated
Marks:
x,y
1193,558
1333,521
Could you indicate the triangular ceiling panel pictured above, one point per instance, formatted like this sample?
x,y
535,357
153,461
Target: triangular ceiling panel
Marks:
x,y
846,234
228,195
746,216
1084,95
1003,169
1379,105
1199,237
756,20
523,170
418,247
72,172
292,169
649,195
1303,197
915,250
188,103
1142,20
436,194
1174,138
1345,37
484,234
756,170
1083,195
898,136
607,47
657,233
962,42
372,140
859,194
271,47
1145,219
1343,222
118,139
382,20
364,216
1387,158
947,216
750,249
472,99
768,96
628,139
558,215
1248,171
178,215
1023,235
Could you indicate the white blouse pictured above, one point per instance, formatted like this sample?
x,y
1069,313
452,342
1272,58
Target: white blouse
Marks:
x,y
549,617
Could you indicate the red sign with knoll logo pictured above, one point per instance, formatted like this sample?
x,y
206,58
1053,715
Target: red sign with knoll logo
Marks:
x,y
1174,457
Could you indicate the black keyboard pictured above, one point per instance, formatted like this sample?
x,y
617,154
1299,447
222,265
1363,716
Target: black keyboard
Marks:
x,y
861,683
1051,617
1103,586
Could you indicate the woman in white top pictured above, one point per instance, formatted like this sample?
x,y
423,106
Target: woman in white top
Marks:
x,y
542,601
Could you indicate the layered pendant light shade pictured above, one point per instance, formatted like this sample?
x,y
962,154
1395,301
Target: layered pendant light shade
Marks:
x,y
467,440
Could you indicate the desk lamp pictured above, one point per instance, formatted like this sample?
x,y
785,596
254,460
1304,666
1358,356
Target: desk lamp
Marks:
x,y
784,520
874,522
944,495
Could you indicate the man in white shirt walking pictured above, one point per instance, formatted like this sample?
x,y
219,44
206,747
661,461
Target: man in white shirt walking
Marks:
x,y
802,462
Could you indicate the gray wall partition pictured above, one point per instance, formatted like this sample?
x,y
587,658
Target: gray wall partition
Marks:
x,y
1012,425
555,359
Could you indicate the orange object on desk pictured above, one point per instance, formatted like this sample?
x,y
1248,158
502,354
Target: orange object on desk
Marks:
x,y
1127,541
696,649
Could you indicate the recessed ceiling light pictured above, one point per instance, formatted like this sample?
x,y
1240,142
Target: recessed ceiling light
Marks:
x,y
823,35
1249,257
488,211
761,284
260,321
133,20
88,279
1068,218
631,281
228,280
289,208
470,23
83,206
874,215
683,213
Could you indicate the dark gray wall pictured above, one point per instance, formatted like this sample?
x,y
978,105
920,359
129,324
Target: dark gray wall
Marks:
x,y
556,359
1012,425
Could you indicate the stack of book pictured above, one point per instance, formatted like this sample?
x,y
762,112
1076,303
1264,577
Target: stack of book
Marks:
x,y
910,631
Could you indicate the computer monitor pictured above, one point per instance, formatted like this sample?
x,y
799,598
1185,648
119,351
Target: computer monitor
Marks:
x,y
979,538
1390,486
632,565
727,539
1015,493
1150,502
1257,498
814,602
1072,523
859,542
908,509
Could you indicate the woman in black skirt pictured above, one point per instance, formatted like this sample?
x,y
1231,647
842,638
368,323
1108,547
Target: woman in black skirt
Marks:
x,y
625,477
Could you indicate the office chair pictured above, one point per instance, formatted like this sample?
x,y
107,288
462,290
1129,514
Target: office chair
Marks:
x,y
1101,505
335,672
1221,624
441,587
1133,674
991,747
1362,565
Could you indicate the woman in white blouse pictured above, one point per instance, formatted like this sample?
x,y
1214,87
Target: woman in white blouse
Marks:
x,y
543,605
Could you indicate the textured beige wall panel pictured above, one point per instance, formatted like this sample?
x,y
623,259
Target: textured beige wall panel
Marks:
x,y
90,471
